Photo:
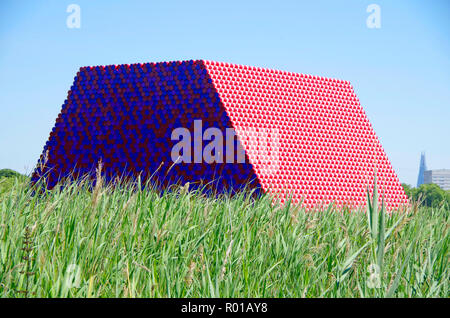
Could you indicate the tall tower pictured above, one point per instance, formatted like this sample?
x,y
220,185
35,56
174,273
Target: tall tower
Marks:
x,y
422,168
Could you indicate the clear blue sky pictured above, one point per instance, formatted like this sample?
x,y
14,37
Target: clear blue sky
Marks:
x,y
401,72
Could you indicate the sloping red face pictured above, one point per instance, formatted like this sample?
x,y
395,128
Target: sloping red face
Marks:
x,y
297,135
321,146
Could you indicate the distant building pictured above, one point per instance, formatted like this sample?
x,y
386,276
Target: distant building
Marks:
x,y
441,177
422,169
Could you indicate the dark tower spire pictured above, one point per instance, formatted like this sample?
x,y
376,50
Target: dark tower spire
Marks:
x,y
422,168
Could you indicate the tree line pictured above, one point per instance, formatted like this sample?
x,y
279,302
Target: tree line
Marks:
x,y
430,195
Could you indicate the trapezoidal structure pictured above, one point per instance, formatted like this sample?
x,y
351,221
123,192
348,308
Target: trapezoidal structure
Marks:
x,y
231,126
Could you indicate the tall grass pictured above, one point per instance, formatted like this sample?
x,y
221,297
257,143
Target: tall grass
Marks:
x,y
133,241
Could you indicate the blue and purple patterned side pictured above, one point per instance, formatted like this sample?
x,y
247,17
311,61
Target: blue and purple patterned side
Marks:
x,y
124,116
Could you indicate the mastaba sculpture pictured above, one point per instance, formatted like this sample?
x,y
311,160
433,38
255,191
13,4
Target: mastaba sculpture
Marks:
x,y
290,134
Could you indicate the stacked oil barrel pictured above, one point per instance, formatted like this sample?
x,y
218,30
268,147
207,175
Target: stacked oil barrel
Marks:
x,y
304,137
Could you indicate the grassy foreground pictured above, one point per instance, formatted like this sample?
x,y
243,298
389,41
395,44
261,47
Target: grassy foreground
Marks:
x,y
124,242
